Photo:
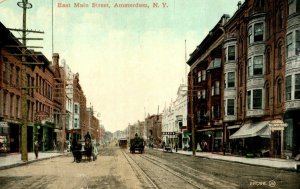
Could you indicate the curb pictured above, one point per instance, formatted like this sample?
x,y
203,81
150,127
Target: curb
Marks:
x,y
29,162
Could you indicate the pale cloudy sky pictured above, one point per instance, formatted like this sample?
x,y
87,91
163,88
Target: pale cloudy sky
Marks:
x,y
130,60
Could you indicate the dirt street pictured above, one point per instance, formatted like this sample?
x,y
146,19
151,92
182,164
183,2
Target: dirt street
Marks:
x,y
110,170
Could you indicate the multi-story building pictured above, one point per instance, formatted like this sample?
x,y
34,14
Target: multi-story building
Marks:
x,y
256,52
69,101
41,102
153,127
205,88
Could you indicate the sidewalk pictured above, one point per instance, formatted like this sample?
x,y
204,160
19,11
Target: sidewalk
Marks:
x,y
14,159
287,164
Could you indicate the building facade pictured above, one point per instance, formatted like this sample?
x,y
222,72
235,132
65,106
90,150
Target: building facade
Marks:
x,y
243,81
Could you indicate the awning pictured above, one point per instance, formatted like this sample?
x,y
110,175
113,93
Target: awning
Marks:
x,y
261,129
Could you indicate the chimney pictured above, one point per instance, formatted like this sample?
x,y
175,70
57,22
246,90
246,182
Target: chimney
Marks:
x,y
55,59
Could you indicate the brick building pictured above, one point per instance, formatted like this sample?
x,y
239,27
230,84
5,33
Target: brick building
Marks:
x,y
247,103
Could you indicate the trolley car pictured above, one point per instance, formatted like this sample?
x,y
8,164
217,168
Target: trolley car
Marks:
x,y
123,143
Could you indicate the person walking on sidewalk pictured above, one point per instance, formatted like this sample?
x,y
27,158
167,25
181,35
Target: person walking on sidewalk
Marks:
x,y
36,148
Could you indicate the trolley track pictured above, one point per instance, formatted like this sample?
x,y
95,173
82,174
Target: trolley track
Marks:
x,y
160,176
192,175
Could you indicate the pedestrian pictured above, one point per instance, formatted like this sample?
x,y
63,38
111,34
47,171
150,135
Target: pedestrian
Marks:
x,y
74,148
176,146
36,148
87,136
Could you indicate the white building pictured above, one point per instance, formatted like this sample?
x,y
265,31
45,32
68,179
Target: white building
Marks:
x,y
174,120
69,77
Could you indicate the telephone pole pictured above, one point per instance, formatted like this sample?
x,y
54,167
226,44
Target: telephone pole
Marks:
x,y
24,83
25,5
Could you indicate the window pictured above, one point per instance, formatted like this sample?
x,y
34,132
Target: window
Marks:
x,y
17,106
297,86
230,107
231,52
250,69
76,109
5,72
199,76
241,104
212,90
249,100
203,75
250,35
215,112
5,95
258,65
258,32
298,41
11,105
268,61
203,94
279,91
76,123
217,88
294,6
288,87
17,77
11,74
199,94
257,99
231,79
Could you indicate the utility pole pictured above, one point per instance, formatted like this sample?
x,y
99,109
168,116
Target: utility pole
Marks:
x,y
25,5
24,85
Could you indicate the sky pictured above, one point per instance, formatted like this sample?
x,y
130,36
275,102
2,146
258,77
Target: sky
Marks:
x,y
130,61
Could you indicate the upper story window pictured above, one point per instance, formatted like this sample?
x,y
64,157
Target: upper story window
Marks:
x,y
267,95
11,74
254,99
280,55
231,79
297,86
76,109
255,67
258,32
215,112
294,6
288,87
215,89
230,106
231,53
201,75
5,70
298,42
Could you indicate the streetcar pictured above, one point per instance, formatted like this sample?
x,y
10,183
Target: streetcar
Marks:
x,y
123,143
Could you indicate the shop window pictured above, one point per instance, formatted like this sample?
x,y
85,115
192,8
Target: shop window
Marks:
x,y
288,87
